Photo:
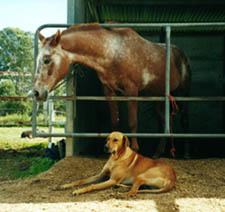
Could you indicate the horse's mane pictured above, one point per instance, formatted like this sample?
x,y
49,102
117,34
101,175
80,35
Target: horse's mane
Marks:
x,y
83,27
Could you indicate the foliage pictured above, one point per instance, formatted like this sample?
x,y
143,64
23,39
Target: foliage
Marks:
x,y
60,105
7,88
19,117
15,117
16,55
16,50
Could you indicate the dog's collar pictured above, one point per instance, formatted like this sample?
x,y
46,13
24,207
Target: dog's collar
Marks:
x,y
134,160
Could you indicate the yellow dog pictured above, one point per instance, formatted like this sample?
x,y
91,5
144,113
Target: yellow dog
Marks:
x,y
128,167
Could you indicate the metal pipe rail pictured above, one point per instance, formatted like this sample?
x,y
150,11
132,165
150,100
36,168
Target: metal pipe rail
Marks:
x,y
15,98
16,74
141,135
167,27
140,98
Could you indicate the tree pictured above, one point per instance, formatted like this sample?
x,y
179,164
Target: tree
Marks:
x,y
7,88
16,55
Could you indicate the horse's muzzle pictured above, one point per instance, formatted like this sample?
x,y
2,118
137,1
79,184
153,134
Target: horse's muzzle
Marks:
x,y
39,96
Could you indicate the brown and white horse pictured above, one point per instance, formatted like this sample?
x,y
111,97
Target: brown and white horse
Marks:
x,y
123,60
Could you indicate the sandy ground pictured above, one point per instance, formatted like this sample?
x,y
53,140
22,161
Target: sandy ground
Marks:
x,y
200,187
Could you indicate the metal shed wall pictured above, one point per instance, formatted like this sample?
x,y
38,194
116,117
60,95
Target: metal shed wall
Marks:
x,y
205,48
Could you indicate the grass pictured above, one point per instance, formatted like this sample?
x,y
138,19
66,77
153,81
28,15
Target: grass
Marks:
x,y
10,137
30,167
21,158
21,164
26,118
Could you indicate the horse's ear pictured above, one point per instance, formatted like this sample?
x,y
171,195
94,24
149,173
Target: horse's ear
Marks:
x,y
56,38
41,37
126,142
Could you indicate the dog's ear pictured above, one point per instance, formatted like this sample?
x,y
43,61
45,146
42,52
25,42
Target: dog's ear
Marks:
x,y
126,142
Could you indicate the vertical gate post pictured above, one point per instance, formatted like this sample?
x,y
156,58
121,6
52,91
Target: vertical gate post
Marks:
x,y
35,104
75,15
70,115
167,80
34,118
51,116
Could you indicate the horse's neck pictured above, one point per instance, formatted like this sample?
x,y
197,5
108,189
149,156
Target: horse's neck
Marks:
x,y
85,49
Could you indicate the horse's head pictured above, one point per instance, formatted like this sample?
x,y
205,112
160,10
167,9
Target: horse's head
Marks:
x,y
52,66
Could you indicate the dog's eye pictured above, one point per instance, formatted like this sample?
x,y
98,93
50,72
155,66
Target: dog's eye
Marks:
x,y
115,140
47,61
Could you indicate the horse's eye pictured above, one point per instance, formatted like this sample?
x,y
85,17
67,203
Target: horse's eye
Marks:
x,y
115,140
47,61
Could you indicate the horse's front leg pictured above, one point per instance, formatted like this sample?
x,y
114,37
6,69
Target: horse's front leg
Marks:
x,y
132,90
132,118
113,106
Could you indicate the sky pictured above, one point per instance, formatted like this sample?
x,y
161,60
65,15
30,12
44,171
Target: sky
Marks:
x,y
28,15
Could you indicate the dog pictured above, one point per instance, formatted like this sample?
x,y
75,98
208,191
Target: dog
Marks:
x,y
128,167
28,133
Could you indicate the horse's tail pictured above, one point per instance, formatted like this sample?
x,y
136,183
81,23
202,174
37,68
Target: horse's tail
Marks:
x,y
183,63
184,67
186,77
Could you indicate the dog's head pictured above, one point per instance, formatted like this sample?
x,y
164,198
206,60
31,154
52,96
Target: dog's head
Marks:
x,y
116,142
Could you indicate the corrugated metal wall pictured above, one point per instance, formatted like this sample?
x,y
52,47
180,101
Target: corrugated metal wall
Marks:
x,y
160,11
205,48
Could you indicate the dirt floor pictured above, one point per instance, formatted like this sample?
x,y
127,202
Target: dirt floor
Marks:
x,y
200,187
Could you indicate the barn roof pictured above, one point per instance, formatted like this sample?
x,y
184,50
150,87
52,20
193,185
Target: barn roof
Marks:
x,y
159,11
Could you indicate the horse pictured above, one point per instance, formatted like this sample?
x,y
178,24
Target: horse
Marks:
x,y
124,61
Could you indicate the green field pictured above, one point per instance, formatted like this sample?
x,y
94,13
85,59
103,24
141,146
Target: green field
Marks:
x,y
22,157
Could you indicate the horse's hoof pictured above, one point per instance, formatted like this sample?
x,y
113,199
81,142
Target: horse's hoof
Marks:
x,y
155,157
187,156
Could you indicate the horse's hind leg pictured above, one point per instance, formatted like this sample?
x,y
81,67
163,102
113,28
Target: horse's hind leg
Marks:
x,y
184,108
185,125
160,148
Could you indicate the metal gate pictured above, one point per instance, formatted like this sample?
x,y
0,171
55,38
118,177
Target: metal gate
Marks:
x,y
167,133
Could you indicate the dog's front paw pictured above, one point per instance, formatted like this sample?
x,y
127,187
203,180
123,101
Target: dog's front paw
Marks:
x,y
76,192
65,186
80,191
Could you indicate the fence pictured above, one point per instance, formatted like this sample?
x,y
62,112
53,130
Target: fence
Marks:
x,y
167,27
47,106
15,98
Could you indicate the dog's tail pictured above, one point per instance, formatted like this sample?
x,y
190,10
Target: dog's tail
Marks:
x,y
169,185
